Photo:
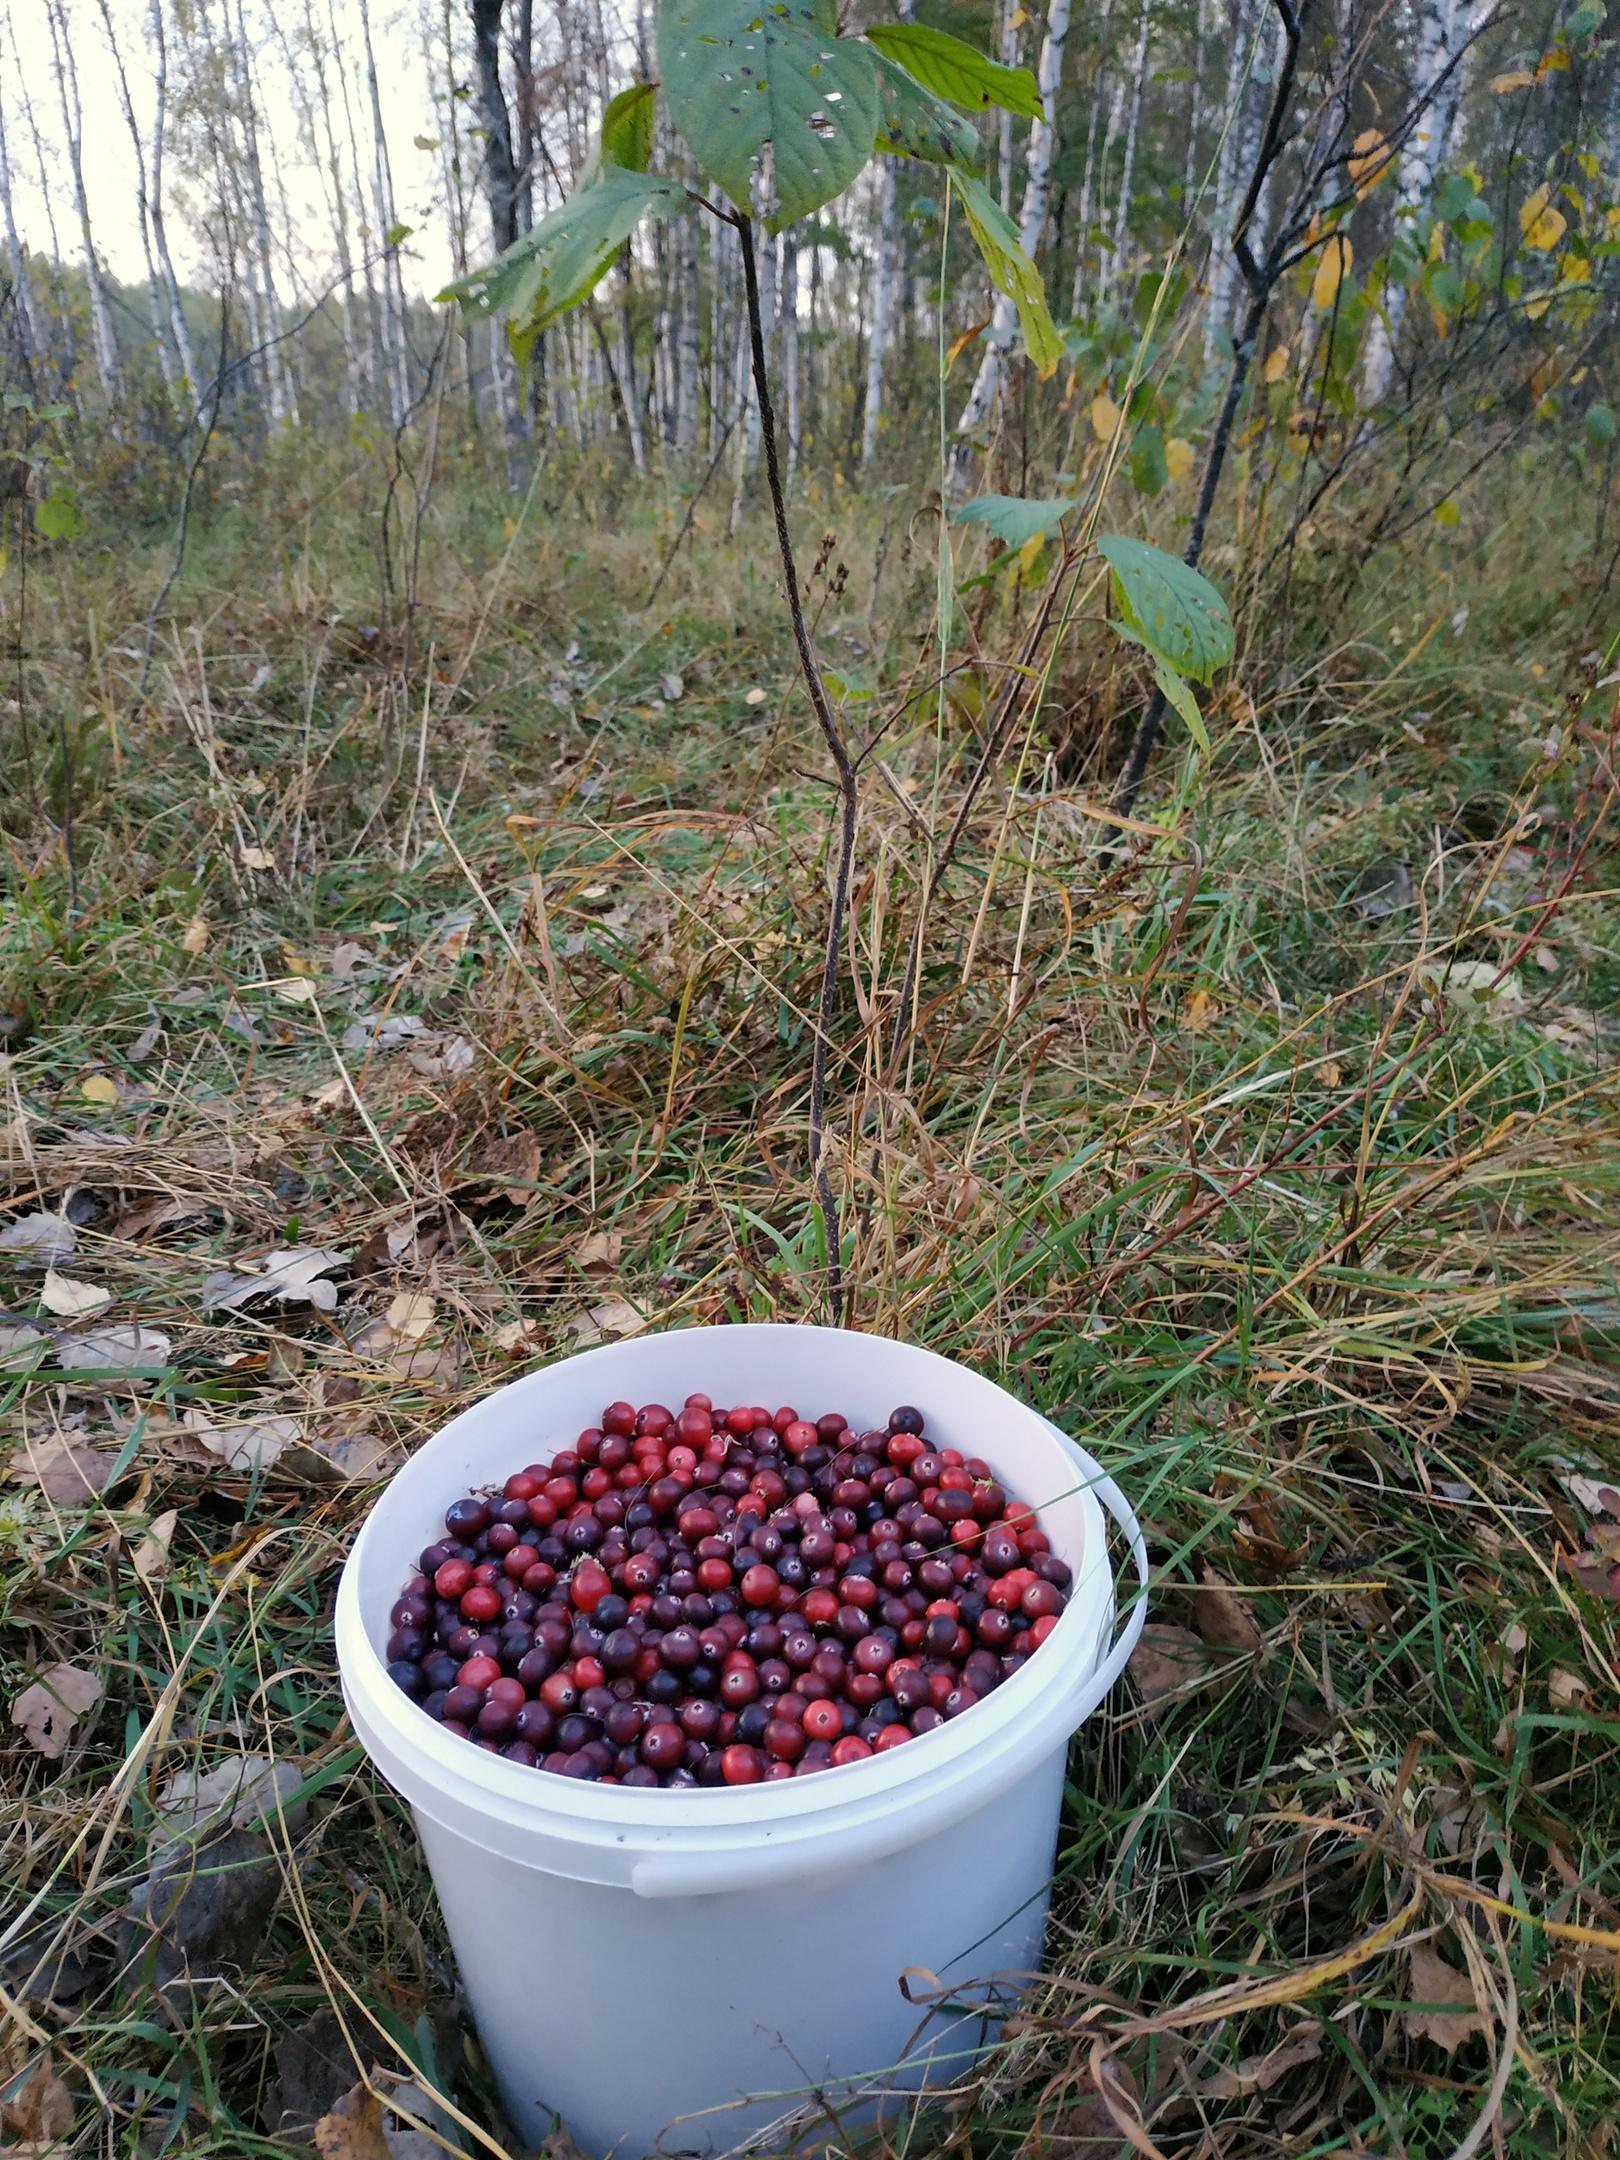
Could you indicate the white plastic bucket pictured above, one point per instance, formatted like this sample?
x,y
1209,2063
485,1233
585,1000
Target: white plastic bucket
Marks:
x,y
675,1971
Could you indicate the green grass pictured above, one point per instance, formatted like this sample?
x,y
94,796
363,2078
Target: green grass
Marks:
x,y
1186,1149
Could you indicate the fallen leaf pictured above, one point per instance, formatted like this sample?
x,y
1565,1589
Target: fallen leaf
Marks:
x,y
1223,1618
64,1472
196,936
1258,2073
203,1906
1566,1690
296,990
22,1346
113,1349
1596,1498
1478,987
100,1088
1198,1012
245,1444
346,958
40,2111
614,1316
150,1559
59,1700
357,1455
411,1315
600,1250
294,1274
42,1236
384,1031
240,1793
1166,1660
357,2128
257,858
71,1300
1434,1982
756,696
671,687
511,1165
515,1338
145,1042
158,1212
1383,889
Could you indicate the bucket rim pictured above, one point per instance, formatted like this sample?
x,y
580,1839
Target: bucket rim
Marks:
x,y
1026,1717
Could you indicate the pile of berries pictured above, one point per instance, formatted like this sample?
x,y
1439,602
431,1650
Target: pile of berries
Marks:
x,y
715,1597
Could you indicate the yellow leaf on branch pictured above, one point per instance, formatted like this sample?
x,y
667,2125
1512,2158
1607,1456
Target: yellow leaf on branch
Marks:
x,y
1540,224
1337,256
1105,417
1371,159
1178,457
1514,79
1276,366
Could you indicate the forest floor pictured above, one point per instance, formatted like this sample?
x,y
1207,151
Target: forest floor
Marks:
x,y
1279,1159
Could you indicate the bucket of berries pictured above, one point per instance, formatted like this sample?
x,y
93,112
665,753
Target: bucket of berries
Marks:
x,y
729,1675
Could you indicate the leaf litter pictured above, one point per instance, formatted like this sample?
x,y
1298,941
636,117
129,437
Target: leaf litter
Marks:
x,y
50,1711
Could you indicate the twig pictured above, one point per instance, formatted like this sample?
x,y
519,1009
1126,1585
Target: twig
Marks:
x,y
847,786
184,526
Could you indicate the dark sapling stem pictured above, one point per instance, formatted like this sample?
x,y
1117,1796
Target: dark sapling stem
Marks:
x,y
843,766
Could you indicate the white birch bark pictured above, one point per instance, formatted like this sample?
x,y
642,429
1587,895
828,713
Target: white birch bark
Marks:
x,y
1031,224
1442,31
396,358
157,313
687,337
880,333
788,314
1082,240
1228,183
104,342
1127,174
1191,171
1009,48
179,329
29,322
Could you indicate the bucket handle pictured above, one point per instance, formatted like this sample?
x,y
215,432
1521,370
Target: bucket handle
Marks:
x,y
700,1874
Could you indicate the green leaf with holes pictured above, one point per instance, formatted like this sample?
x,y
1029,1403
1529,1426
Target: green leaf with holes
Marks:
x,y
1011,271
961,73
916,124
1015,520
770,90
1172,610
561,261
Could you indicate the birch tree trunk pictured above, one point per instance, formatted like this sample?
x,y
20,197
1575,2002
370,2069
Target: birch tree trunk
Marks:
x,y
103,340
29,322
1127,173
500,169
179,330
1031,224
1442,33
1082,238
396,357
1222,265
157,313
688,336
281,390
1191,170
1010,48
